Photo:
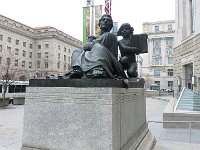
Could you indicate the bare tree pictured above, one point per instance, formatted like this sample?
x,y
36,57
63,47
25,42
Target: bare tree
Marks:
x,y
148,81
9,72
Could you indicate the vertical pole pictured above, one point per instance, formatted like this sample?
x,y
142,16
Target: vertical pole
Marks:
x,y
190,130
92,18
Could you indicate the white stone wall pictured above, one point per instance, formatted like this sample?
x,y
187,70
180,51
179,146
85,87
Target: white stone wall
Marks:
x,y
186,47
147,65
183,20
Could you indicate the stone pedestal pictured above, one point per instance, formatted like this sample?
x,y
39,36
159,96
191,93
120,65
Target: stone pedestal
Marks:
x,y
69,116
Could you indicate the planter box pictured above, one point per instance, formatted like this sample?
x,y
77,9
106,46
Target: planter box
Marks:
x,y
6,102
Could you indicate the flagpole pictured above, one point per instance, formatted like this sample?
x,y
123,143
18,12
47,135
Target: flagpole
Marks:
x,y
92,18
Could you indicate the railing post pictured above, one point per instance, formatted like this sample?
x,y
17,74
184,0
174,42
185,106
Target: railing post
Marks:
x,y
190,130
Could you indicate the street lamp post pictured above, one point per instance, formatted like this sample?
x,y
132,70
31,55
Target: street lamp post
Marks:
x,y
90,3
179,84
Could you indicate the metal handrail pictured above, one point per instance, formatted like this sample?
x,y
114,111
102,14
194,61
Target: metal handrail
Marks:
x,y
190,124
179,98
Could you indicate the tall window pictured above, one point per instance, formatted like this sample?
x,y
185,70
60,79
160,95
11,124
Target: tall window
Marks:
x,y
38,64
8,49
65,66
58,65
170,60
23,64
30,64
157,51
169,51
30,54
39,46
16,51
17,42
38,55
31,46
169,27
156,42
1,47
169,41
24,44
0,60
157,60
58,55
170,84
46,55
8,61
46,65
46,46
24,53
170,72
1,37
192,11
16,63
157,29
9,40
65,58
157,73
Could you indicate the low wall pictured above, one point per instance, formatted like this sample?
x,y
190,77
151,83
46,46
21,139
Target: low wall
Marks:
x,y
176,118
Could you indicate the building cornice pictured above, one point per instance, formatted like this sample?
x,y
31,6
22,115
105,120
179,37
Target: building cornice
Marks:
x,y
161,32
37,33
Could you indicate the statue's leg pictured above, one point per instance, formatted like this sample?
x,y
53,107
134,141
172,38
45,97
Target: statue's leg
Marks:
x,y
96,72
75,71
124,62
132,70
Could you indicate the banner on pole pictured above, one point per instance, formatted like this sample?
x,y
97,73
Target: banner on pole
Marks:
x,y
86,23
98,13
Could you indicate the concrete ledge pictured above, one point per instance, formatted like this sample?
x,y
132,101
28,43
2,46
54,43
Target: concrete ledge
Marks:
x,y
143,140
171,115
122,83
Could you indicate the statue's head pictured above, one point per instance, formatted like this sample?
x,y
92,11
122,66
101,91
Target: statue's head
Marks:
x,y
125,29
106,23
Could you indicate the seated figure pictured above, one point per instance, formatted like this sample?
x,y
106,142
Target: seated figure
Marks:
x,y
98,58
127,50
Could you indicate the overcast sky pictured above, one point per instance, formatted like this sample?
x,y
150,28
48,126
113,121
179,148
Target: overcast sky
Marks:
x,y
66,15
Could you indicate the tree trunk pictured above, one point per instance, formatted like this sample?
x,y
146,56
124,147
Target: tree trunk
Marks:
x,y
4,95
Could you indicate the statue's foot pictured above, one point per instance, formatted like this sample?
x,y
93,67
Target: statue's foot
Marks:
x,y
132,75
76,73
96,73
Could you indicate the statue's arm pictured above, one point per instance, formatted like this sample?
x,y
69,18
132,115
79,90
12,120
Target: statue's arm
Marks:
x,y
88,46
128,49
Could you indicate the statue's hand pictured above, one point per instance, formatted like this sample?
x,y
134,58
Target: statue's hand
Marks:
x,y
88,46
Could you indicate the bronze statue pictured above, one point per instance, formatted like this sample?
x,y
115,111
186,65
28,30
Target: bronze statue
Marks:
x,y
128,50
98,58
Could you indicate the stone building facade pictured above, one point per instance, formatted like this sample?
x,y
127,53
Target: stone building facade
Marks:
x,y
187,46
157,66
38,51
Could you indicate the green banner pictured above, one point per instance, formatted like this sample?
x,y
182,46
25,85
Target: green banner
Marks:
x,y
86,23
98,13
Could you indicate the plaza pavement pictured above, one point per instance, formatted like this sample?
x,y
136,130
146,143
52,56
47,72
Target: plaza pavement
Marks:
x,y
11,127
